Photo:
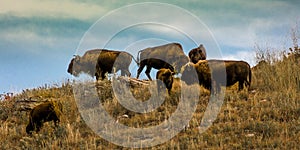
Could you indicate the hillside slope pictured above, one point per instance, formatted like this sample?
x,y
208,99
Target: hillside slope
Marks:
x,y
265,117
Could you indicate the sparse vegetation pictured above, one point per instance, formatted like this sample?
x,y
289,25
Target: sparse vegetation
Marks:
x,y
266,117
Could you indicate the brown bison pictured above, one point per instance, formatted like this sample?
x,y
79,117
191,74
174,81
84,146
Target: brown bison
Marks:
x,y
108,60
48,111
169,56
100,61
166,76
197,54
212,72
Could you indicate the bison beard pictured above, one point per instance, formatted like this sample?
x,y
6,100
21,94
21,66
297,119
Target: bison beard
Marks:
x,y
48,111
166,76
211,72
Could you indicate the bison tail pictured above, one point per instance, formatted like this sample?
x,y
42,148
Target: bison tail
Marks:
x,y
138,58
136,61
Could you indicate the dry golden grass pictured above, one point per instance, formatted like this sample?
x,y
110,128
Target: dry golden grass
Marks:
x,y
265,117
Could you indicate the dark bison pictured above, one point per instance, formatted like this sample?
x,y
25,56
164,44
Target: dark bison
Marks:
x,y
156,64
197,54
100,61
169,56
48,111
166,76
211,72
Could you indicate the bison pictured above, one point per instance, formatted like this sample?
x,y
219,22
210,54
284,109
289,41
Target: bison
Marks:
x,y
97,62
108,60
209,72
197,54
170,56
48,111
156,64
166,76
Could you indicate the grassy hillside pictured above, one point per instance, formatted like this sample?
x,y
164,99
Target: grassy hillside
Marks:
x,y
265,117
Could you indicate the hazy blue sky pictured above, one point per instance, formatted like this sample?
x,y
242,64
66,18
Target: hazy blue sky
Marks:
x,y
39,38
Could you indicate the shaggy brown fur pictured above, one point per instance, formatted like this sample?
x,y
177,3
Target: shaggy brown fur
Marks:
x,y
100,61
108,60
208,72
166,76
48,111
84,64
197,54
162,56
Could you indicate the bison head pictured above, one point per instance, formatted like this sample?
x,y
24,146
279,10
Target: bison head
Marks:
x,y
81,65
197,54
166,76
74,67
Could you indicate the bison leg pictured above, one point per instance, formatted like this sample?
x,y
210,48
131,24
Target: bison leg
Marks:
x,y
29,128
241,85
148,70
56,122
38,126
55,119
100,75
142,65
103,75
169,86
247,84
125,72
97,76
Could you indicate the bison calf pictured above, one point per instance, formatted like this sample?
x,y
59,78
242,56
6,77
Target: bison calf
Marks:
x,y
153,63
48,111
217,72
166,76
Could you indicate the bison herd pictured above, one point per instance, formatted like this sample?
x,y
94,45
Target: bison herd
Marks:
x,y
169,59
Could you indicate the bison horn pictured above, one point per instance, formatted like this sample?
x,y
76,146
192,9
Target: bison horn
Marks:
x,y
77,57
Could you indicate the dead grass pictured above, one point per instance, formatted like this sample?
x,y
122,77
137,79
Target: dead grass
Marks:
x,y
267,117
